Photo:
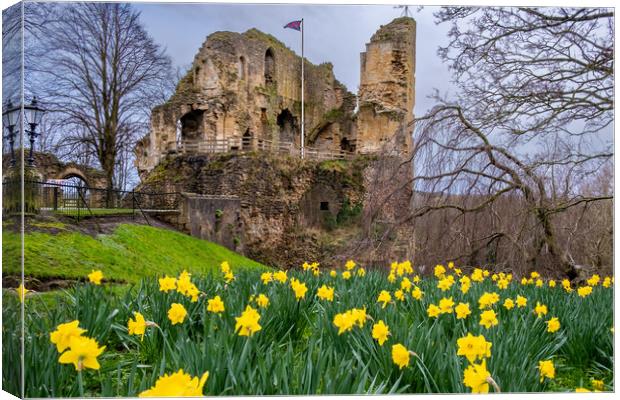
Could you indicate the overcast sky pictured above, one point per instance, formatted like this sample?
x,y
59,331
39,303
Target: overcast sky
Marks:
x,y
335,34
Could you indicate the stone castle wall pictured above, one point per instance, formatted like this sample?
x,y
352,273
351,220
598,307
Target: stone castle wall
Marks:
x,y
246,87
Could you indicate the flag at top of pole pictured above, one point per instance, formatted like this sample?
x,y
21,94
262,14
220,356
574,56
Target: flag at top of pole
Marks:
x,y
294,25
299,26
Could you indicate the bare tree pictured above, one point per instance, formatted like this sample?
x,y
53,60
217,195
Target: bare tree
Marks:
x,y
101,74
516,148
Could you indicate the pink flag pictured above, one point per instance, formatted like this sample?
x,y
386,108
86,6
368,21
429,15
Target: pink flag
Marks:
x,y
294,25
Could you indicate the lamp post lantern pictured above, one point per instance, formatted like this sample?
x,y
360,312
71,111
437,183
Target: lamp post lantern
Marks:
x,y
33,115
10,118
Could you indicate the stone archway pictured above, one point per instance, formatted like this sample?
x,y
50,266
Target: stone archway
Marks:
x,y
192,126
71,172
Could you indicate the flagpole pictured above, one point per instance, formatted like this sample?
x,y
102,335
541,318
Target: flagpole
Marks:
x,y
302,89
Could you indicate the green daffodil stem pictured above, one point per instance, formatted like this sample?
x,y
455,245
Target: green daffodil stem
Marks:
x,y
80,383
492,382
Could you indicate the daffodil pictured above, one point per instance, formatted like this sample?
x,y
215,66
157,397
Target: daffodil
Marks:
x,y
384,297
262,301
361,272
417,293
280,276
546,369
445,305
346,275
167,283
594,280
215,305
584,291
137,325
193,292
229,276
82,353
477,275
325,293
380,332
344,322
225,267
566,285
399,295
445,283
350,265
597,384
247,324
184,283
333,273
359,316
551,283
179,384
540,309
473,347
440,270
521,301
462,310
299,288
488,319
21,292
177,313
509,304
63,334
502,284
487,300
405,284
266,277
553,325
433,311
476,377
400,355
95,277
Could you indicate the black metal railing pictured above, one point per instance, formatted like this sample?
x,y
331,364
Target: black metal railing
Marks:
x,y
82,201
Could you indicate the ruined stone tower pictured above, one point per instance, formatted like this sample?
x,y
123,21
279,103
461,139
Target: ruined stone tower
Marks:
x,y
387,84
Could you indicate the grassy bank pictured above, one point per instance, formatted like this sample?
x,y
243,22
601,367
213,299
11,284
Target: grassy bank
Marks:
x,y
128,254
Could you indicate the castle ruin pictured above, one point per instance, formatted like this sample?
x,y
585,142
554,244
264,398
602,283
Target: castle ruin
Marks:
x,y
243,92
228,139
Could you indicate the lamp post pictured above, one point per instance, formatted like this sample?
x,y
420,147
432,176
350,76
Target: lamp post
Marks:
x,y
10,117
33,114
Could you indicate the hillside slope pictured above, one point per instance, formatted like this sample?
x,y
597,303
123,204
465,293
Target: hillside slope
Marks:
x,y
126,254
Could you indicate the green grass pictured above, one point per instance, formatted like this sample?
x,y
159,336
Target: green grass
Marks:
x,y
128,254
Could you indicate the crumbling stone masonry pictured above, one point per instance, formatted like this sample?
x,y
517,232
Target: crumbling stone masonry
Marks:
x,y
243,90
243,94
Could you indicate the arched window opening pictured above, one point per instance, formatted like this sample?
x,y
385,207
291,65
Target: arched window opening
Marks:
x,y
288,126
270,67
191,125
241,66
